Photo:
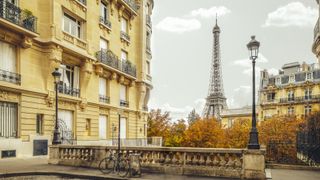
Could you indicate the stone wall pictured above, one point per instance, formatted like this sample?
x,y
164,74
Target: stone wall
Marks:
x,y
214,162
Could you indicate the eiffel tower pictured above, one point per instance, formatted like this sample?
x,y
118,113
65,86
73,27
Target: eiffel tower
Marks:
x,y
215,101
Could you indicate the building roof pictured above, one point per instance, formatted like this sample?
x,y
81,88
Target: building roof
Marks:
x,y
290,65
244,111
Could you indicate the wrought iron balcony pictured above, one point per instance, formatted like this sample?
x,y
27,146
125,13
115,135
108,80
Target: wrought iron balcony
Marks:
x,y
132,4
108,58
63,89
301,99
124,36
15,15
149,22
104,99
10,77
124,103
105,22
84,2
128,68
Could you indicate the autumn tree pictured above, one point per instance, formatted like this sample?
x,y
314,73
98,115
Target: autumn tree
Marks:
x,y
204,133
192,117
177,134
158,123
237,136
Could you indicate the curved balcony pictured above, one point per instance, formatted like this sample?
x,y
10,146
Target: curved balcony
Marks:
x,y
108,58
17,16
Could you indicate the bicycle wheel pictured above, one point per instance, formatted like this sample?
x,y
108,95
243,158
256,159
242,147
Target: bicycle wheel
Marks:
x,y
123,168
106,165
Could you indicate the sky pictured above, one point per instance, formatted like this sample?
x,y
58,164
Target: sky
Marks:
x,y
182,43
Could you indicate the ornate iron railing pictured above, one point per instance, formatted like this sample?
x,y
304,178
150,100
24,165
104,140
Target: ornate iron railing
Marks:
x,y
105,22
300,99
63,89
132,4
14,14
124,103
125,36
149,22
108,58
84,2
104,99
10,77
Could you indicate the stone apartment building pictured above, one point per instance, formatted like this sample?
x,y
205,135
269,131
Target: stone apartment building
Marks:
x,y
294,91
102,50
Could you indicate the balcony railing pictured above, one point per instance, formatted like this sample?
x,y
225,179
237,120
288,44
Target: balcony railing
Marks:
x,y
104,99
84,2
316,30
108,58
15,15
105,22
124,103
132,4
300,99
63,89
149,22
124,36
10,77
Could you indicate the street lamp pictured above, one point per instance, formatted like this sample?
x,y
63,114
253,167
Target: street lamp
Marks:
x,y
253,47
56,134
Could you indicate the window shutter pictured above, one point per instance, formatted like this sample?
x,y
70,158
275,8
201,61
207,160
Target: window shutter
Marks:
x,y
8,57
103,127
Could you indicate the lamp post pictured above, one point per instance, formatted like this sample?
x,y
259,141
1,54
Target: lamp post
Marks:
x,y
56,134
253,47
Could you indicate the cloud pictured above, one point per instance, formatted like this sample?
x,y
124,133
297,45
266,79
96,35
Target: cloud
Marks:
x,y
293,14
248,63
177,113
178,25
241,97
211,12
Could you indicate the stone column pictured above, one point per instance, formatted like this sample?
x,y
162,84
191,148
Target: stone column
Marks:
x,y
253,166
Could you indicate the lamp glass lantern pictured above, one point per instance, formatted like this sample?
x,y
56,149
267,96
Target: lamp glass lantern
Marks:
x,y
56,75
253,47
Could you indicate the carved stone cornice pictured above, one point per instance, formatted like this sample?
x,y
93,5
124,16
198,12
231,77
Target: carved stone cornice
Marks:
x,y
50,98
9,96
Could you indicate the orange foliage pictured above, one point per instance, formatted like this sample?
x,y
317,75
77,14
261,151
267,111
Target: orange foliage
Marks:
x,y
204,133
237,136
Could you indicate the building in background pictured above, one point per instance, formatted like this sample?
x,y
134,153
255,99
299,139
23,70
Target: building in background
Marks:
x,y
230,116
102,49
294,91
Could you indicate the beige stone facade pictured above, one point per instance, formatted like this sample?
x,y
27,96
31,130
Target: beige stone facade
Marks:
x,y
294,91
102,49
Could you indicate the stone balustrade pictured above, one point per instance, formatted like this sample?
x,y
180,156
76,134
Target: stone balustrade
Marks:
x,y
215,162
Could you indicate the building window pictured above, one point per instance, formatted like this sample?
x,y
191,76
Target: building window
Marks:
x,y
69,80
8,120
290,110
39,124
124,55
72,25
230,122
307,110
123,96
103,90
292,79
308,94
104,11
104,44
103,126
88,127
271,96
148,67
291,96
309,76
8,57
148,43
124,25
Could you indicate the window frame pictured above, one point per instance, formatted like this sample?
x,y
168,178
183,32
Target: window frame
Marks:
x,y
39,126
79,25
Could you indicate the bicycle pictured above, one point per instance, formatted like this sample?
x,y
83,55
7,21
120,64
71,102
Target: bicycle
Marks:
x,y
123,166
